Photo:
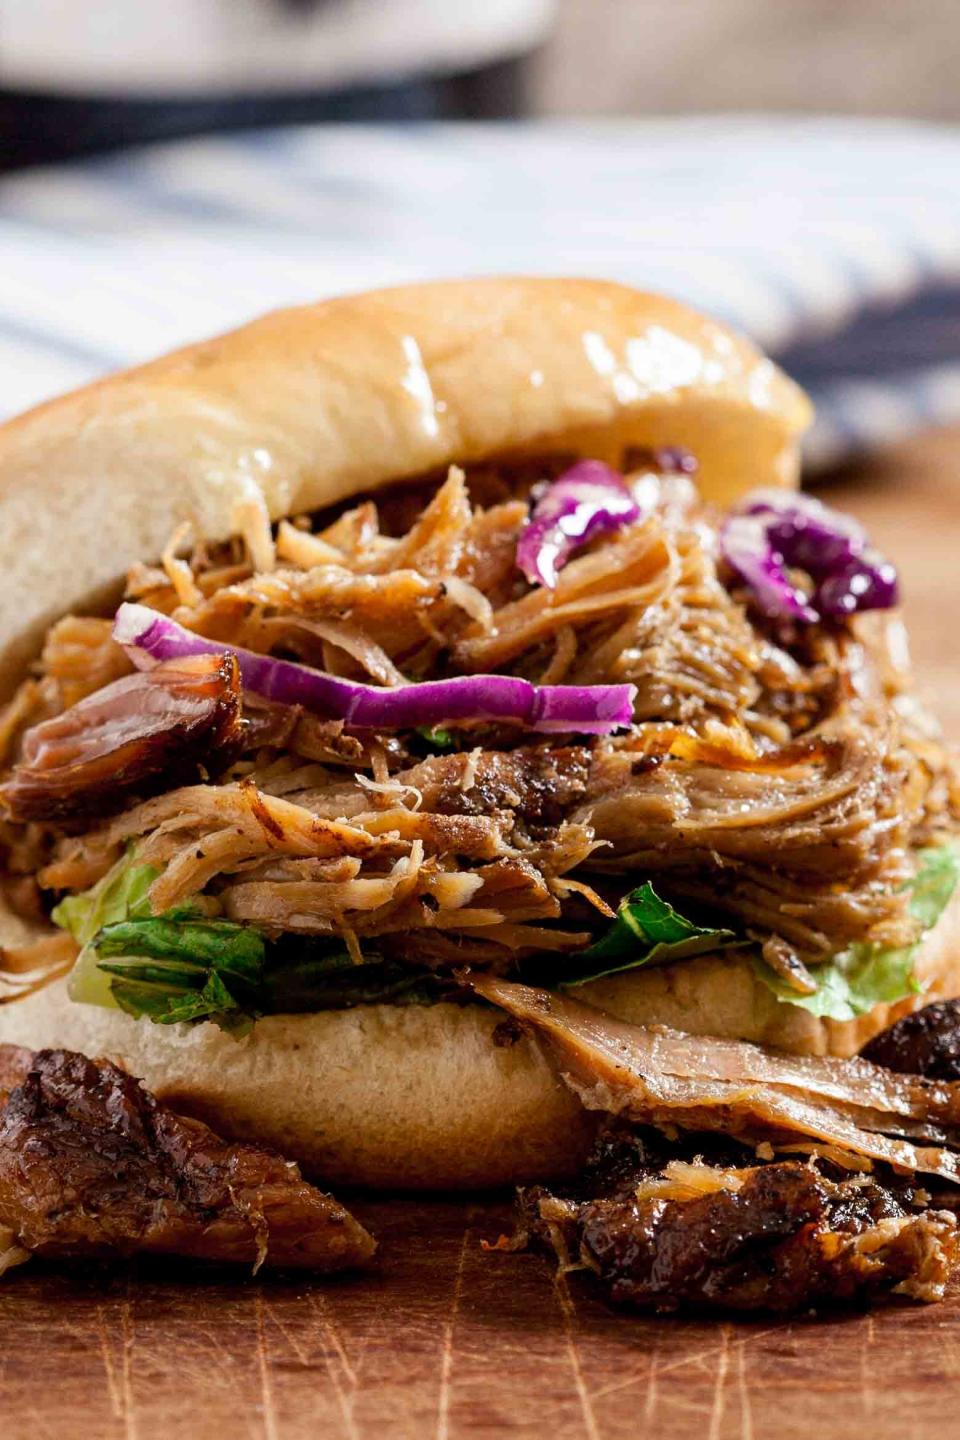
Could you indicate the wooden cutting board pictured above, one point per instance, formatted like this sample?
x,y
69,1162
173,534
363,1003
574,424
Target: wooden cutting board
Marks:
x,y
446,1340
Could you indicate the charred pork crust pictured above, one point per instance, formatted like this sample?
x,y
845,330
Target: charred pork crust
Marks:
x,y
138,734
537,784
924,1043
665,1228
702,1222
93,1165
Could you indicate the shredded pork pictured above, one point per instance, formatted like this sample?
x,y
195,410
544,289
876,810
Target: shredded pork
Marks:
x,y
782,778
133,734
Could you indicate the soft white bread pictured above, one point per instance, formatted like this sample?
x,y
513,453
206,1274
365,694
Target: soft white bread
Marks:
x,y
413,1097
312,405
390,1096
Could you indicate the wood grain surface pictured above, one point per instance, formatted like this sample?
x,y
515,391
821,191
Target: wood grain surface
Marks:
x,y
446,1340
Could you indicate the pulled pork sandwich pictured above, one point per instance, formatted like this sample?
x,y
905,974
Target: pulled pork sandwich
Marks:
x,y
415,700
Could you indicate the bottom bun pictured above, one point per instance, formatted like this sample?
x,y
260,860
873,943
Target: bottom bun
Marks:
x,y
424,1097
389,1096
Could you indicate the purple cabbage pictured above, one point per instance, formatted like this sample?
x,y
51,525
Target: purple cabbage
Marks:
x,y
587,500
867,583
746,547
774,531
148,637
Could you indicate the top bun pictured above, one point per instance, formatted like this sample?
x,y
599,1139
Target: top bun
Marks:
x,y
312,405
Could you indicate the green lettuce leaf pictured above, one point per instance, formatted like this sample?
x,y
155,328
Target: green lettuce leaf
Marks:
x,y
867,974
120,895
179,966
437,737
646,931
936,879
852,983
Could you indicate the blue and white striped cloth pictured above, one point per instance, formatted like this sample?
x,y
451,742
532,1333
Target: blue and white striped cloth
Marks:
x,y
835,243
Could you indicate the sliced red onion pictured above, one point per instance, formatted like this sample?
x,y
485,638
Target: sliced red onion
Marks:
x,y
588,499
148,637
773,531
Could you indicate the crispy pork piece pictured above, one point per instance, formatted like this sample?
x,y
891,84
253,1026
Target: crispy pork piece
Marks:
x,y
144,731
924,1043
92,1165
734,1235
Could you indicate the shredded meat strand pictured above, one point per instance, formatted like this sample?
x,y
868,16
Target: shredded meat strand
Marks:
x,y
659,1076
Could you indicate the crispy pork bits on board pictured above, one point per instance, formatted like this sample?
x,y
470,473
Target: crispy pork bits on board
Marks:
x,y
924,1043
92,1165
701,1225
700,1220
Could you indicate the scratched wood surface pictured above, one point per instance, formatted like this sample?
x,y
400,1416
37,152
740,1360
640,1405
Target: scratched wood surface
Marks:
x,y
446,1340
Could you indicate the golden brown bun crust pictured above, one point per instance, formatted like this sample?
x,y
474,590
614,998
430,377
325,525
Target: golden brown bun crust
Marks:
x,y
312,405
413,1097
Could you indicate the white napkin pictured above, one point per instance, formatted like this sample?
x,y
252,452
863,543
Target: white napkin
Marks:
x,y
835,243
